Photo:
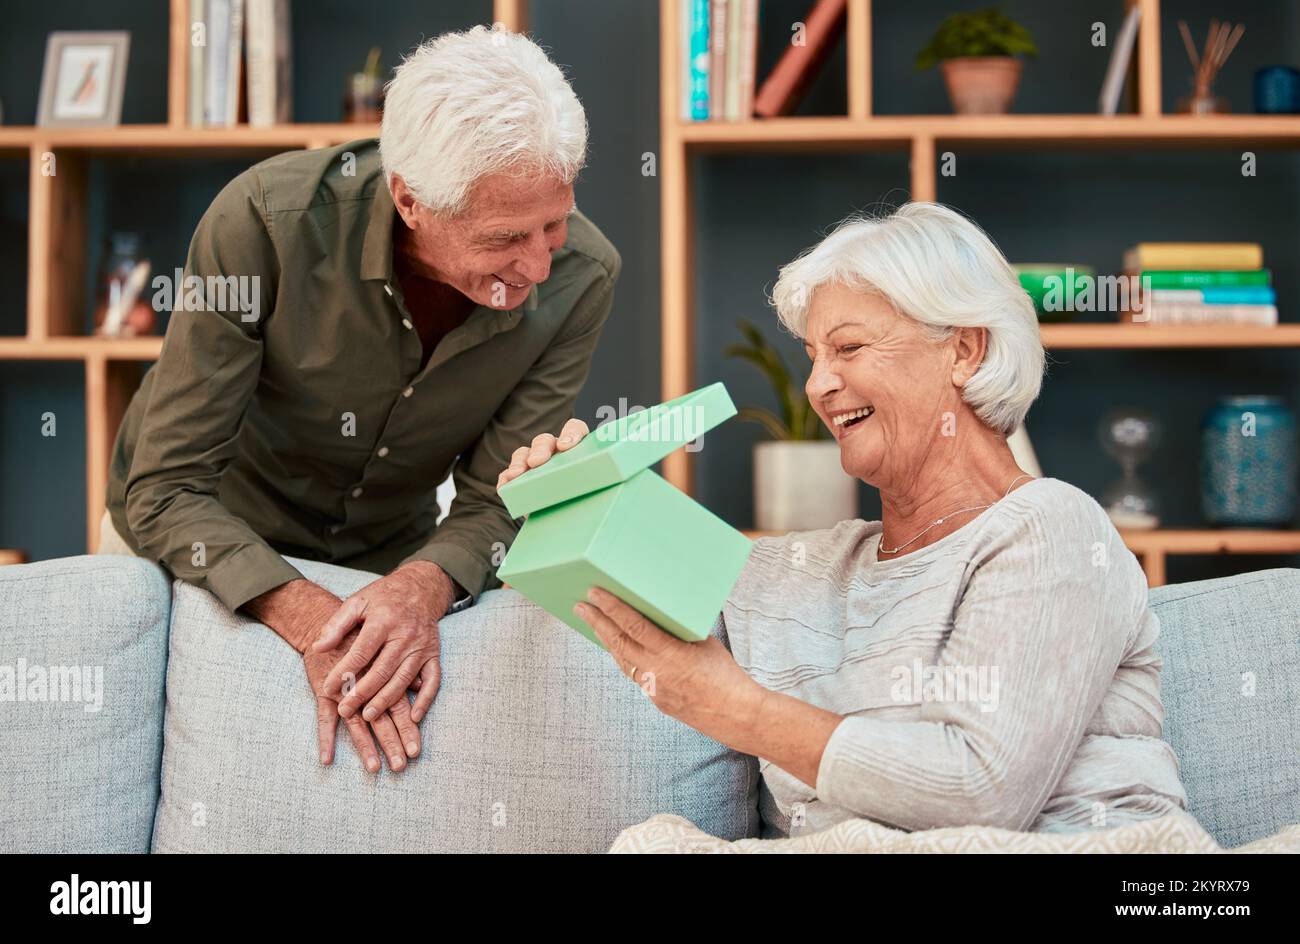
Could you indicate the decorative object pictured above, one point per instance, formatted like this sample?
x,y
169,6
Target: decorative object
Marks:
x,y
364,101
83,79
976,52
121,310
1055,287
799,484
1248,462
1129,437
1277,90
1220,41
597,516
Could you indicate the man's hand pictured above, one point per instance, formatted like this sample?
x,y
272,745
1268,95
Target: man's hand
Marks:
x,y
544,446
395,729
297,611
398,616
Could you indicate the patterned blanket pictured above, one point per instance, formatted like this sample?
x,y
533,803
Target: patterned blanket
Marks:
x,y
1167,834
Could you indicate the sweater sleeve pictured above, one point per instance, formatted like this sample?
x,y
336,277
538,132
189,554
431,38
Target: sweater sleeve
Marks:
x,y
1046,615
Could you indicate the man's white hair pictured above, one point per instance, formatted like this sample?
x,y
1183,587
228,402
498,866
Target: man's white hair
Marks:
x,y
941,270
465,105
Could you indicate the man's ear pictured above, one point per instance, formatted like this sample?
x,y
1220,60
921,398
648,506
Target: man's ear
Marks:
x,y
405,202
970,347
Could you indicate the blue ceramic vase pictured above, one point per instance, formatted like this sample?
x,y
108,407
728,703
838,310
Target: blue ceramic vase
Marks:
x,y
1248,463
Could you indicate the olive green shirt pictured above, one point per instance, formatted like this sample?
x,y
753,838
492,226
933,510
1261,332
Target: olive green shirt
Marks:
x,y
294,418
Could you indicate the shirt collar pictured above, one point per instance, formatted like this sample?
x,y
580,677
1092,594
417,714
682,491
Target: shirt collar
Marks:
x,y
377,248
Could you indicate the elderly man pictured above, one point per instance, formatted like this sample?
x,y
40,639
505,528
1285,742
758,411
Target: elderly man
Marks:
x,y
421,304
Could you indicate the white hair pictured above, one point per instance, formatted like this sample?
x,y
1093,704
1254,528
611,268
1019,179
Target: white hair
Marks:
x,y
941,270
468,104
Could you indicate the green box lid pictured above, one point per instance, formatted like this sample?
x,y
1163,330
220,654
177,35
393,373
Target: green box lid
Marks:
x,y
614,452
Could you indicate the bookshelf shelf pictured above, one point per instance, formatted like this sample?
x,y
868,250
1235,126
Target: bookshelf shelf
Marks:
x,y
1155,337
56,256
992,131
923,138
77,349
1153,547
166,139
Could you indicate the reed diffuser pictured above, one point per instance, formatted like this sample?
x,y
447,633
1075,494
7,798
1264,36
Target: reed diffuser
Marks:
x,y
1221,40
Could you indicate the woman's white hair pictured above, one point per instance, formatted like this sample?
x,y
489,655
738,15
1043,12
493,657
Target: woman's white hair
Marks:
x,y
941,270
468,104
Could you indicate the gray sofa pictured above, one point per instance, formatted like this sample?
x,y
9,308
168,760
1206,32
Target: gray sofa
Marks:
x,y
143,716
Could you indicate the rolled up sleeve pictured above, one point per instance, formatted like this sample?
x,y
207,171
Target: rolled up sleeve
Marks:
x,y
472,541
203,382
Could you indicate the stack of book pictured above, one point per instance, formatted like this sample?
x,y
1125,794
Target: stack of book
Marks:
x,y
1201,283
720,57
239,56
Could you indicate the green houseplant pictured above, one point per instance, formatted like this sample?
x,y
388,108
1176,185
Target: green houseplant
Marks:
x,y
798,481
976,53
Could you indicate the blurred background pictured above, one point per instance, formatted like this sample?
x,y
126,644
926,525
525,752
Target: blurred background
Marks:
x,y
732,200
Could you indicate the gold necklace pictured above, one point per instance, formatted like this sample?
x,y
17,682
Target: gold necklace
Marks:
x,y
938,521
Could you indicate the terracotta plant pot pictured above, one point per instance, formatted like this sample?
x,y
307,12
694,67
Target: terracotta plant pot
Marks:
x,y
982,85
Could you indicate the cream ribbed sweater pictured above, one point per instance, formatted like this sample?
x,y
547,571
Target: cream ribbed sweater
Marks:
x,y
1004,675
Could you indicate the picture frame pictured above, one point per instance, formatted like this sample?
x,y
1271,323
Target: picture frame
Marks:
x,y
83,79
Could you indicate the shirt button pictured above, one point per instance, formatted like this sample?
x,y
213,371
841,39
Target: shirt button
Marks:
x,y
407,323
408,391
388,289
383,451
335,528
356,492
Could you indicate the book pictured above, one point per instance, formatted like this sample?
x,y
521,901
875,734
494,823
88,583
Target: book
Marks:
x,y
1216,295
798,65
283,63
719,11
216,63
1194,256
235,59
735,30
699,57
1108,101
1201,278
194,108
748,56
1180,313
269,64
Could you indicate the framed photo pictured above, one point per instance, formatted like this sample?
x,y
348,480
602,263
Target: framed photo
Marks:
x,y
83,80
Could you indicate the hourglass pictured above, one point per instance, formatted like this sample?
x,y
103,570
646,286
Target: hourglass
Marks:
x,y
1129,436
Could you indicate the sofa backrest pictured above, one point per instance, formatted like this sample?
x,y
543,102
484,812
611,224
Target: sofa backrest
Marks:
x,y
1231,691
83,653
536,743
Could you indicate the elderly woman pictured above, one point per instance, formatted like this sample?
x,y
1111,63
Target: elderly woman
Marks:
x,y
984,653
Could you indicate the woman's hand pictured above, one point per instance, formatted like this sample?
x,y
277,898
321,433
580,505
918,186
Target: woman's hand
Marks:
x,y
543,447
698,683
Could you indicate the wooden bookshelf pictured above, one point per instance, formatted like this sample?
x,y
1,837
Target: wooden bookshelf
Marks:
x,y
922,138
57,236
1153,547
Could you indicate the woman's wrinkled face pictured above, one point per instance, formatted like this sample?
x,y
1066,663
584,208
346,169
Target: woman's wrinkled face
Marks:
x,y
877,383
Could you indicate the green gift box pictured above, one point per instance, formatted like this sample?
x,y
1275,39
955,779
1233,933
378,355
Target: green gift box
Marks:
x,y
597,516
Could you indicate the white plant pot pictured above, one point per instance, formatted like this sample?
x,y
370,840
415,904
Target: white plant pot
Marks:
x,y
800,486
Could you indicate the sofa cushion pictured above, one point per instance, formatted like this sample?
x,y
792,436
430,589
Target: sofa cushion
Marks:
x,y
535,743
1231,691
83,650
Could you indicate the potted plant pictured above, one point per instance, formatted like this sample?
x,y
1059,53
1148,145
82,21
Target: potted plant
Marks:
x,y
976,52
799,484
